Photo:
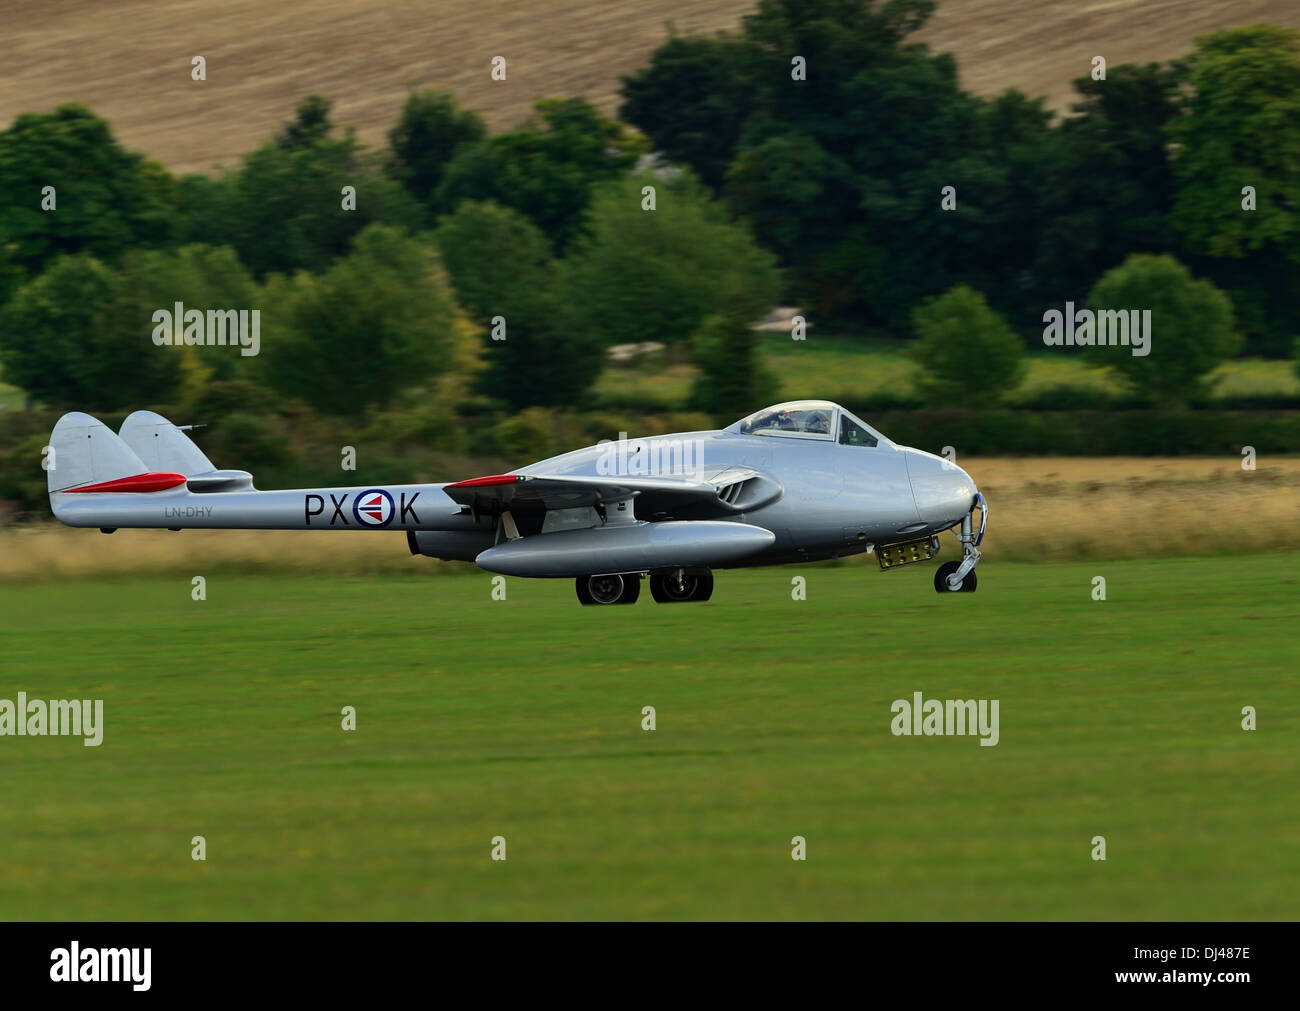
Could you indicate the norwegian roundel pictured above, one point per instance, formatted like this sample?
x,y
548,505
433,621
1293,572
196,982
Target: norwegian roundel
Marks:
x,y
373,508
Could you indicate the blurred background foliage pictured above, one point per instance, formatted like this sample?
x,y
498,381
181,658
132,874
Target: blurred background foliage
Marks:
x,y
457,311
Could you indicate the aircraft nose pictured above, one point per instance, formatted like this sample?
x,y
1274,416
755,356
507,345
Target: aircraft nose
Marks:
x,y
944,493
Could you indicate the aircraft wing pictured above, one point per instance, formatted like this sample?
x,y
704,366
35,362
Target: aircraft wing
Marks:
x,y
655,496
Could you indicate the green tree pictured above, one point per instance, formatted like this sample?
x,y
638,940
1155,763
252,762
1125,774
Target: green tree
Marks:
x,y
1264,288
993,239
1191,327
208,209
841,172
1241,128
545,169
12,274
878,181
1107,182
494,255
655,275
106,198
199,277
63,343
964,352
429,133
693,99
283,209
380,320
733,380
500,264
257,441
310,125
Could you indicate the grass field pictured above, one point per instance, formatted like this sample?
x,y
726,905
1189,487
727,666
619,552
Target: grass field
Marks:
x,y
521,718
131,60
860,369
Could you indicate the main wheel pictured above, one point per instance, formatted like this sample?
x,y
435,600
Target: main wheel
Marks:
x,y
608,589
945,570
680,587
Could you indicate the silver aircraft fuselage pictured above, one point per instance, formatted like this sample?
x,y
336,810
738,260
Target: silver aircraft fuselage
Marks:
x,y
832,499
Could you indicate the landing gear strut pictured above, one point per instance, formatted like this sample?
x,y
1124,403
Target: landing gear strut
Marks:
x,y
959,577
680,586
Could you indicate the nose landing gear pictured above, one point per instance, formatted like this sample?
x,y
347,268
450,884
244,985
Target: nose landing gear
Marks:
x,y
959,577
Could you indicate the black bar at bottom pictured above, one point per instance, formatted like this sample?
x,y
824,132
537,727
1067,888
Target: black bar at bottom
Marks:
x,y
925,960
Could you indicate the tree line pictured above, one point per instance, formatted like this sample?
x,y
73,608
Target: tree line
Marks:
x,y
816,156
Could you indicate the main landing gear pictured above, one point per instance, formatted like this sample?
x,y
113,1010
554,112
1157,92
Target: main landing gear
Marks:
x,y
680,586
609,589
959,577
675,587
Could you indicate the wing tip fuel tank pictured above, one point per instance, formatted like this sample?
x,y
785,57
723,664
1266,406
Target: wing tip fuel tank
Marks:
x,y
626,548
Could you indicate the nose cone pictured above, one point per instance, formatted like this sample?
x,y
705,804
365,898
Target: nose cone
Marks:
x,y
944,492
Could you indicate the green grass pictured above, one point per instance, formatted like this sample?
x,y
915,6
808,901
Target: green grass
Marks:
x,y
659,386
838,369
1256,377
521,718
807,368
10,396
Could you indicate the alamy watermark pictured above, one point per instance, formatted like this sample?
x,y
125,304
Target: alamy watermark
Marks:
x,y
1103,328
75,964
946,718
655,457
53,718
215,328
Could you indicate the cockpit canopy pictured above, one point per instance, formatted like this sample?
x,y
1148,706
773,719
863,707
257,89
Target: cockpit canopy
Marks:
x,y
808,419
799,417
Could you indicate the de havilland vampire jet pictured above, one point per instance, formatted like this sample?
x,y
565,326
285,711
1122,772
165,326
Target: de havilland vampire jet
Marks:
x,y
799,482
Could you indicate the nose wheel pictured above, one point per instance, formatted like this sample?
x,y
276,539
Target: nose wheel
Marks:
x,y
959,577
944,574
